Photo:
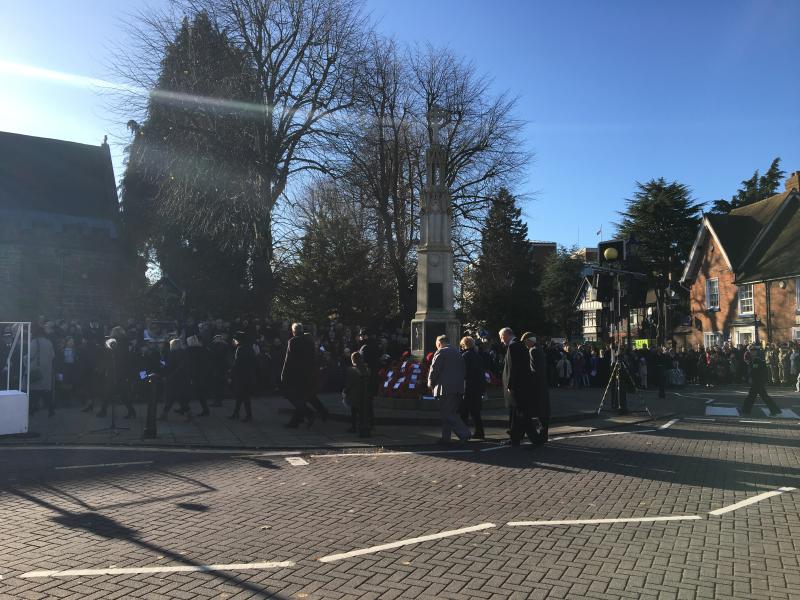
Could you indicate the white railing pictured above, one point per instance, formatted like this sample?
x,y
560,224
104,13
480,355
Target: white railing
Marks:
x,y
16,382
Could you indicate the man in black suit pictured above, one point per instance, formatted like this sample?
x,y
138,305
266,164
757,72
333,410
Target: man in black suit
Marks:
x,y
298,378
518,388
538,365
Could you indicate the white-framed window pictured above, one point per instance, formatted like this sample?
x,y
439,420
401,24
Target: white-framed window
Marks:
x,y
589,318
796,334
744,337
745,294
712,294
712,338
797,294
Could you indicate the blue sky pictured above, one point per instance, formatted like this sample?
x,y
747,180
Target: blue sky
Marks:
x,y
613,91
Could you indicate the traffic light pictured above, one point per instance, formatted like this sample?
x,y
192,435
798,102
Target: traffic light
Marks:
x,y
604,284
611,253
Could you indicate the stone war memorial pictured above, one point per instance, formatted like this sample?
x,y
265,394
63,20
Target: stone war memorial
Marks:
x,y
435,315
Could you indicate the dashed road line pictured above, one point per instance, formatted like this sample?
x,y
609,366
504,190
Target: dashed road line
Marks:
x,y
296,461
407,542
145,570
749,501
603,521
669,424
588,435
101,465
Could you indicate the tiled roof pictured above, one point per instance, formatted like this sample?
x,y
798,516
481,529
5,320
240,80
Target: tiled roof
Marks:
x,y
57,177
760,240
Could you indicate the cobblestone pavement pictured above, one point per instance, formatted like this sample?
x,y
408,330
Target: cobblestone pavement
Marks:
x,y
268,522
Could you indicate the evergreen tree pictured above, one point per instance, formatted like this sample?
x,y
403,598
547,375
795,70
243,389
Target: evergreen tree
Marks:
x,y
188,153
561,279
660,222
756,188
335,273
501,288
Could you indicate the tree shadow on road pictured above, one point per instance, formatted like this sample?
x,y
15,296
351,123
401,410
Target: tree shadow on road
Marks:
x,y
108,528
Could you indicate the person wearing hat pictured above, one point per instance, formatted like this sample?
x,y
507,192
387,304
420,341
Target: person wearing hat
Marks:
x,y
243,374
541,400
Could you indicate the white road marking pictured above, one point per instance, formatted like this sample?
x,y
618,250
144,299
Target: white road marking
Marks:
x,y
587,435
749,501
760,422
97,466
396,453
399,544
602,521
709,401
64,448
786,413
143,570
296,461
722,411
669,424
700,419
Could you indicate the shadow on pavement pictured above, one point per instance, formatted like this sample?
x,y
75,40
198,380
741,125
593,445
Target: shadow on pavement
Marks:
x,y
100,525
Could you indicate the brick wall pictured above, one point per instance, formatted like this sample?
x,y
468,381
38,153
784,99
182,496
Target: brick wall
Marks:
x,y
60,273
782,302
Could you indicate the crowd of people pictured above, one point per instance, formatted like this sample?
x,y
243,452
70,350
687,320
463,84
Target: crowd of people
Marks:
x,y
205,361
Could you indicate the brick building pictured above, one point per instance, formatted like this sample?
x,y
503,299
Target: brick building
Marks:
x,y
60,253
743,273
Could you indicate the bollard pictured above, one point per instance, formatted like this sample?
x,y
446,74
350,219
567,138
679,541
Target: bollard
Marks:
x,y
150,428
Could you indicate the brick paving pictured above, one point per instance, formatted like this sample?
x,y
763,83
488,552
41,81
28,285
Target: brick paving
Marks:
x,y
204,508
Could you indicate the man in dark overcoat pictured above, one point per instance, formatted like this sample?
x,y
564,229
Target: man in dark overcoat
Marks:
x,y
541,400
299,375
518,388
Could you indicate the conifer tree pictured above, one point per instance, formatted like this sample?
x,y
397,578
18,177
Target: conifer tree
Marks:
x,y
756,188
501,288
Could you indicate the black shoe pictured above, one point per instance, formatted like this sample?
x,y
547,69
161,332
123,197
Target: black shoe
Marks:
x,y
205,413
479,435
773,413
88,408
311,417
365,434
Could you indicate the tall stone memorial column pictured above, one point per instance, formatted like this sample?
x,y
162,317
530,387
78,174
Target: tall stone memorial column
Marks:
x,y
435,315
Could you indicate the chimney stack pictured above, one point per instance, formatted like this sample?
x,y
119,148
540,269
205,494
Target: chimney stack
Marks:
x,y
793,182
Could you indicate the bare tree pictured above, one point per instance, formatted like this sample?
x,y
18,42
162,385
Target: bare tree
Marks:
x,y
301,58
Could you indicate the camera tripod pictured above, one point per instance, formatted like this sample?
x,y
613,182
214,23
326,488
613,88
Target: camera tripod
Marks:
x,y
619,378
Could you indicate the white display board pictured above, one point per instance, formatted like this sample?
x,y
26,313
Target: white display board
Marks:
x,y
13,412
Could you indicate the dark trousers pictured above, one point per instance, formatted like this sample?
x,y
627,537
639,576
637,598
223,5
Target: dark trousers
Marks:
x,y
758,389
543,410
470,407
365,416
198,392
243,399
522,424
38,397
298,399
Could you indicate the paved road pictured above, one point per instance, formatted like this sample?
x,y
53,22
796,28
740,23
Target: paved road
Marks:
x,y
222,525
